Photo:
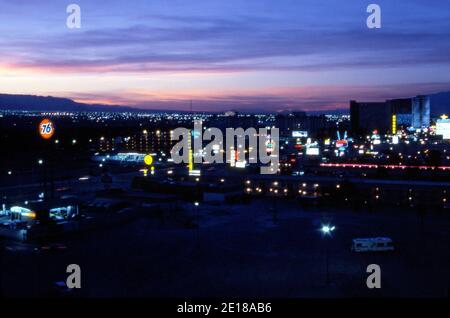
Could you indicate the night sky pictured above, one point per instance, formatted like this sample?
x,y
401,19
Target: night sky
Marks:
x,y
234,54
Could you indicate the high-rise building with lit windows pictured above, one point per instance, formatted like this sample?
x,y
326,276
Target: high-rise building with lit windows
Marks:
x,y
389,115
420,111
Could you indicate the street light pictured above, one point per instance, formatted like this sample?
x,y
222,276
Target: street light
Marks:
x,y
197,220
196,204
327,230
40,161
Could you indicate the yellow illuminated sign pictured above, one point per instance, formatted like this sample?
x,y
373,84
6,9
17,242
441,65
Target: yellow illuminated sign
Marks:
x,y
191,155
148,160
394,124
191,163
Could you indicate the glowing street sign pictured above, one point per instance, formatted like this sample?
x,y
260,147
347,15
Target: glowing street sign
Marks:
x,y
240,164
394,124
443,128
341,143
46,129
299,133
312,151
191,160
196,173
395,139
148,160
270,144
232,158
191,153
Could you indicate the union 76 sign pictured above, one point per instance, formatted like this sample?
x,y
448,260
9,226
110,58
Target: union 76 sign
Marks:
x,y
46,129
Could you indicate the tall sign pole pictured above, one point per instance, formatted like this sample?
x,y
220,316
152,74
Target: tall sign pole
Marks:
x,y
46,131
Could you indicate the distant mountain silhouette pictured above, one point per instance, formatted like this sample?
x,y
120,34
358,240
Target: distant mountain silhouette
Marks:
x,y
440,104
49,103
337,111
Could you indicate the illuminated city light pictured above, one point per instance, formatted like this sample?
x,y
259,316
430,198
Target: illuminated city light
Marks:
x,y
46,128
327,229
374,166
394,124
148,160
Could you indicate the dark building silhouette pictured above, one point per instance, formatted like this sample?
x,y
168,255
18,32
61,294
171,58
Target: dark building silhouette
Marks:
x,y
386,116
367,117
155,140
314,125
291,121
232,120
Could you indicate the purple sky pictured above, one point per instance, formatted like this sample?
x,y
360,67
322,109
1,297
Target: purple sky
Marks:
x,y
245,55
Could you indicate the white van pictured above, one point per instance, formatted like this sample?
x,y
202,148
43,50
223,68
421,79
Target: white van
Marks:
x,y
375,244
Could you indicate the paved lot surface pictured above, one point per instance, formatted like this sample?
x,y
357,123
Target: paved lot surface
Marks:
x,y
241,250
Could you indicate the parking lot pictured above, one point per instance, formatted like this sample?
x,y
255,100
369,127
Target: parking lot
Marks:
x,y
240,250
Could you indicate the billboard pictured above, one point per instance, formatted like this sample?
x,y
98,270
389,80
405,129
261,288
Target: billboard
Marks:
x,y
443,128
299,133
312,151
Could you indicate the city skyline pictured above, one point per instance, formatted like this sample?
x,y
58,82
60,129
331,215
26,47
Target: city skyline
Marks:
x,y
244,55
212,156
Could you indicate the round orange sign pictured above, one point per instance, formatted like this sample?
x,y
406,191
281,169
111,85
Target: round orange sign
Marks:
x,y
46,129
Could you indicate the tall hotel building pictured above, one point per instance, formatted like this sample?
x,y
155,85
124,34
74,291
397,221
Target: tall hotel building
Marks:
x,y
387,116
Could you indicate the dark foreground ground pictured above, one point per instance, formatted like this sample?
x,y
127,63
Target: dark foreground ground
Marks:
x,y
241,251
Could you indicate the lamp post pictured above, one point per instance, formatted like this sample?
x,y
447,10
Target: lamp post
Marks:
x,y
196,204
42,175
197,230
327,230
